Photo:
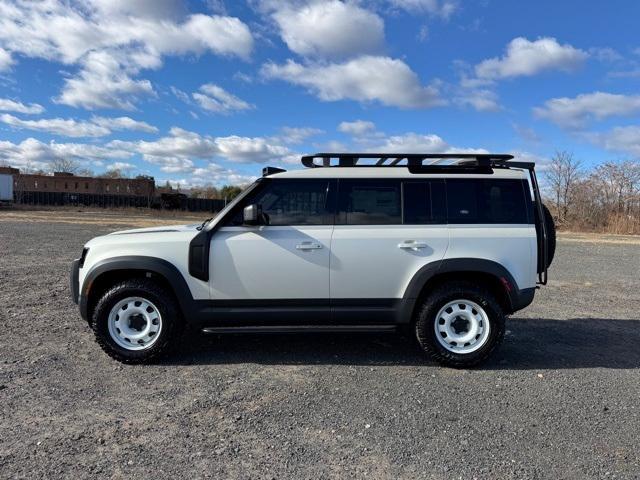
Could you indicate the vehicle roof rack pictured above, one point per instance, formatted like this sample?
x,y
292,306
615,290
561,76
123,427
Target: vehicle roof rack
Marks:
x,y
419,160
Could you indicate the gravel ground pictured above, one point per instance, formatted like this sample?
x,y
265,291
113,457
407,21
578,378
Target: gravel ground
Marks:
x,y
559,400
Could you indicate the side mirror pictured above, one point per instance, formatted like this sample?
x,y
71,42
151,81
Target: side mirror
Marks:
x,y
251,214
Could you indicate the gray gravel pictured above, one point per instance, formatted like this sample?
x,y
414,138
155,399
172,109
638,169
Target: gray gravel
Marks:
x,y
559,400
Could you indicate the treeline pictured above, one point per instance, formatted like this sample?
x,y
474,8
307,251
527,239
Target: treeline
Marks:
x,y
227,192
605,198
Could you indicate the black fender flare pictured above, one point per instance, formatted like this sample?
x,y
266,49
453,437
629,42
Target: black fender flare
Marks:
x,y
453,265
154,265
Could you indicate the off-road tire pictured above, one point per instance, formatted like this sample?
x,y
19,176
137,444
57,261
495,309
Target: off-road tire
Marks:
x,y
172,324
425,319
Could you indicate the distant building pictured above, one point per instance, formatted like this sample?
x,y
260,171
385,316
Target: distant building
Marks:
x,y
62,182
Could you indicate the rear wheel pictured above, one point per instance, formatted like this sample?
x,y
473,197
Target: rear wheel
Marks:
x,y
136,321
459,324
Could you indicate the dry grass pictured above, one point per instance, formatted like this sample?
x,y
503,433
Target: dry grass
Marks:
x,y
153,218
599,238
118,218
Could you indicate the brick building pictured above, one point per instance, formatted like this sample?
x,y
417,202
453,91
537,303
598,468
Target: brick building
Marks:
x,y
61,182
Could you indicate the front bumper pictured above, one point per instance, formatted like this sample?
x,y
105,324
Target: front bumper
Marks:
x,y
74,281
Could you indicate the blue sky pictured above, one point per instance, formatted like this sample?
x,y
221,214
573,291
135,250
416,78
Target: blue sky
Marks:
x,y
211,91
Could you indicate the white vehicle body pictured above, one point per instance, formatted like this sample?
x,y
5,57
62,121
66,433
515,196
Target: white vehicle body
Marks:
x,y
326,271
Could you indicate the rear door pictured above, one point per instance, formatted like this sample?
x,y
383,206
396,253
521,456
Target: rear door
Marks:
x,y
491,219
386,230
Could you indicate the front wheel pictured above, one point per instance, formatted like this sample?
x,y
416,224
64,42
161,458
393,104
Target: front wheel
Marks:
x,y
459,324
136,321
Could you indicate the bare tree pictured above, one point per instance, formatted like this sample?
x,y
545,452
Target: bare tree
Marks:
x,y
563,176
85,172
67,165
206,191
113,173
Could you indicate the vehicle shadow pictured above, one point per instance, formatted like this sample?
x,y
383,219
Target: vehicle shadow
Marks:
x,y
529,344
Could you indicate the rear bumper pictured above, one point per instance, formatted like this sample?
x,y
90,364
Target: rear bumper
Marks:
x,y
74,285
521,298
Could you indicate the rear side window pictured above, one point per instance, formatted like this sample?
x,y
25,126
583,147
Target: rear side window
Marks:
x,y
486,201
424,202
369,202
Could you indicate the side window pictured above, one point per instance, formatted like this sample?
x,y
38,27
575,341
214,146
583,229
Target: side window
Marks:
x,y
424,202
292,202
369,202
486,201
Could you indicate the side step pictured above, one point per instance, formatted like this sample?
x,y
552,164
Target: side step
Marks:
x,y
302,329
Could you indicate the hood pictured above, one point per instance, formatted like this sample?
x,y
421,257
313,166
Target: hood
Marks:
x,y
161,229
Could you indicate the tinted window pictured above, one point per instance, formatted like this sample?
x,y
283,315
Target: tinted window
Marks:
x,y
288,202
369,202
486,201
423,202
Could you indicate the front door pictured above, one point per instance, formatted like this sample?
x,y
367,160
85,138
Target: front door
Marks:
x,y
285,261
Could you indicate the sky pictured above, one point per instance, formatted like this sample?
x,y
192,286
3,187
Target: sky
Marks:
x,y
209,92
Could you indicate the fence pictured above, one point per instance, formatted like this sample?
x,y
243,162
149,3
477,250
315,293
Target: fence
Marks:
x,y
116,201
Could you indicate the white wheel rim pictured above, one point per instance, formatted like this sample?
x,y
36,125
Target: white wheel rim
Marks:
x,y
135,323
462,326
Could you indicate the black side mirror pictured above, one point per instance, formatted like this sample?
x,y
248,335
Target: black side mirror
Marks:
x,y
252,214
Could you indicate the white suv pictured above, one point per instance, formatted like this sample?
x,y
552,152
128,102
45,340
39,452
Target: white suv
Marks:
x,y
444,245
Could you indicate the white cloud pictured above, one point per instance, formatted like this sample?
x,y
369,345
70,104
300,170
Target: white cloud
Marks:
x,y
113,41
295,135
605,54
179,144
8,105
526,58
249,150
576,112
156,9
60,30
542,162
58,126
330,29
357,128
482,99
171,164
102,83
625,140
5,60
33,153
212,174
365,79
412,142
215,99
122,166
96,127
124,123
442,8
176,151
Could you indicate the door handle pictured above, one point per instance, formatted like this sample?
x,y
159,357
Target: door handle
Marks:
x,y
308,246
412,244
